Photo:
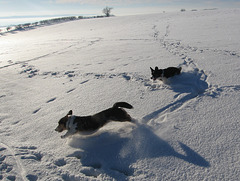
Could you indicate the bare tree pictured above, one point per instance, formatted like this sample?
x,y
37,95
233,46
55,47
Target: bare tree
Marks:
x,y
107,11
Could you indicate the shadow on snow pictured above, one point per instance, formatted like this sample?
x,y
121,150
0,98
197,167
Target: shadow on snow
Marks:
x,y
113,153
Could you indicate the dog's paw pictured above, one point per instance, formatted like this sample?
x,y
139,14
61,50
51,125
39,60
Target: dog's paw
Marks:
x,y
63,136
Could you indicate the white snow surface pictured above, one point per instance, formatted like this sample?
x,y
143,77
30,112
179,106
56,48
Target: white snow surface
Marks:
x,y
184,129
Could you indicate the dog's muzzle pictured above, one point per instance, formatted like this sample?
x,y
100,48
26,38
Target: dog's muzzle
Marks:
x,y
59,129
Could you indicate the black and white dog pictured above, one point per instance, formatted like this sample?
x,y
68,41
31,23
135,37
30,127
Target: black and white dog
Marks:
x,y
74,124
164,73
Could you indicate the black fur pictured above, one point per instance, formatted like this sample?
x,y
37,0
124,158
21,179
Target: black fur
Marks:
x,y
115,113
164,73
94,122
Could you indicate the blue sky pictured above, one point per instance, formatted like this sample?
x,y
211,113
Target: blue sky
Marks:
x,y
121,7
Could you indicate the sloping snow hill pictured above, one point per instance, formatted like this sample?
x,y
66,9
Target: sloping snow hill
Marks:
x,y
184,129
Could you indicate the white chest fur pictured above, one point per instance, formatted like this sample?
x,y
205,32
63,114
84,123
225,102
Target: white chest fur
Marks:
x,y
70,123
71,127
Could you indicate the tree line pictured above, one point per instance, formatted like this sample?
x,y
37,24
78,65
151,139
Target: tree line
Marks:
x,y
107,11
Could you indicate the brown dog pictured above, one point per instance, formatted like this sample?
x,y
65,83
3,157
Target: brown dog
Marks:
x,y
74,124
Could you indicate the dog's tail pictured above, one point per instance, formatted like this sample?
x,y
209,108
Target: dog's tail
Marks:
x,y
122,104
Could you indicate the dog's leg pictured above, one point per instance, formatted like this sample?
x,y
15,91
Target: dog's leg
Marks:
x,y
128,118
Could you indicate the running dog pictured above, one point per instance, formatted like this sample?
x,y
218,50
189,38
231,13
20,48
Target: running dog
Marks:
x,y
164,73
74,124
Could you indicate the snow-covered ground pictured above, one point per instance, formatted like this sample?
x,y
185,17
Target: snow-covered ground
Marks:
x,y
185,129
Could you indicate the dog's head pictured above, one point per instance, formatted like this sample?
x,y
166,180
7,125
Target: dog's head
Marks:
x,y
62,123
156,73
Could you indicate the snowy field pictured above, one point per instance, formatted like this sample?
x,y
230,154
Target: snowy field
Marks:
x,y
184,129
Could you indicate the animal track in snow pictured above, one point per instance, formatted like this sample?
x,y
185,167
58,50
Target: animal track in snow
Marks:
x,y
155,32
28,152
10,61
60,162
51,100
83,82
35,111
70,90
69,73
30,70
1,96
32,177
225,52
10,164
51,73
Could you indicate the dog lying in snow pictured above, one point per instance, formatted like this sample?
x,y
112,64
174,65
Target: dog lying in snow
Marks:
x,y
74,124
164,73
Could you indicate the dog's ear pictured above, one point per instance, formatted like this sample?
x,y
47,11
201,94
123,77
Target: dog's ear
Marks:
x,y
69,113
151,69
156,68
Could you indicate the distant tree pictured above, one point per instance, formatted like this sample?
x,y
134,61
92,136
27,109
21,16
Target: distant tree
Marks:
x,y
19,27
35,24
8,28
27,25
107,11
